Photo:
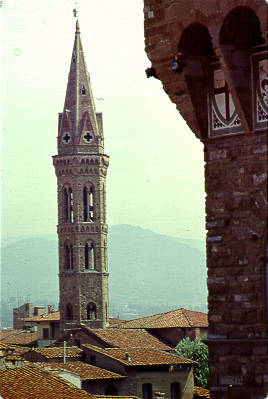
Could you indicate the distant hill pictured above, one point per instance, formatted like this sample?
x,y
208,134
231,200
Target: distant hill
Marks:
x,y
149,272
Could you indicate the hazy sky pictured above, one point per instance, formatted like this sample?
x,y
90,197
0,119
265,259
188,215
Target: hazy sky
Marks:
x,y
155,179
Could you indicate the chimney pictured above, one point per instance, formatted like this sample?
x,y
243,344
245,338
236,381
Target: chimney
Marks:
x,y
51,309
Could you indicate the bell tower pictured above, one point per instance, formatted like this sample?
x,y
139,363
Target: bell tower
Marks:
x,y
81,168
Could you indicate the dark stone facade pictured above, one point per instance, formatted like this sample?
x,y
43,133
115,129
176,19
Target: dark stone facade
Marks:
x,y
211,57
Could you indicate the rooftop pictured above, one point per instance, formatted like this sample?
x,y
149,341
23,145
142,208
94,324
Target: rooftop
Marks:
x,y
53,316
141,356
57,352
19,337
201,393
32,383
85,371
179,318
128,338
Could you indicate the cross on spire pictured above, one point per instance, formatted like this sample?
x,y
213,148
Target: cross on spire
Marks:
x,y
75,10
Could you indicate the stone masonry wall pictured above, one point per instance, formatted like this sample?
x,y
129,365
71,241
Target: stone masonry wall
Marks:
x,y
236,207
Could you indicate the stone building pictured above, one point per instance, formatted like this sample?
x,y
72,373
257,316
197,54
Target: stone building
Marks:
x,y
211,57
81,167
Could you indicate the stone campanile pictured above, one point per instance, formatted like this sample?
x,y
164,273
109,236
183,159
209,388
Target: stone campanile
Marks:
x,y
212,59
81,168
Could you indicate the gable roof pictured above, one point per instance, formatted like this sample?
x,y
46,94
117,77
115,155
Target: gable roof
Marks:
x,y
53,316
141,356
179,318
57,352
31,383
128,338
86,371
116,338
115,322
19,337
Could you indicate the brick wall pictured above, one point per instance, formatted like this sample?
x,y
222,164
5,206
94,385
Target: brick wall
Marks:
x,y
229,34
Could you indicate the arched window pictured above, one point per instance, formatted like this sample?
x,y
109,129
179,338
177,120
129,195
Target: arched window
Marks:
x,y
69,312
88,203
68,205
175,390
147,392
91,311
83,90
89,256
68,256
111,390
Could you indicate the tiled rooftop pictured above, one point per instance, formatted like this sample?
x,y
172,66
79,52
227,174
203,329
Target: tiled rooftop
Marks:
x,y
180,318
201,393
32,383
54,316
84,370
115,322
115,397
141,356
18,337
129,338
56,352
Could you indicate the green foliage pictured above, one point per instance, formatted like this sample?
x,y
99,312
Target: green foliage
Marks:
x,y
197,351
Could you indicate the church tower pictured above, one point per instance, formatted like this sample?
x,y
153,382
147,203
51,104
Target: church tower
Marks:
x,y
81,168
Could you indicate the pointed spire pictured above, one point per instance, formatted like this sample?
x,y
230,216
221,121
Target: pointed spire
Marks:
x,y
79,102
77,27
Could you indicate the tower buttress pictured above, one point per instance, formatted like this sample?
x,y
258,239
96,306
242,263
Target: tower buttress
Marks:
x,y
81,168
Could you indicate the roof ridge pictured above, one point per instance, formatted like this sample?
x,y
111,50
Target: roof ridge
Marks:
x,y
187,317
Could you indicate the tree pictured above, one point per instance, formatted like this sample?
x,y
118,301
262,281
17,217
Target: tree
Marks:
x,y
197,351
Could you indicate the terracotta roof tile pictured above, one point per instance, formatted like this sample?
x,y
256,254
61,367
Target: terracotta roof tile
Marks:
x,y
57,352
129,338
19,337
141,356
31,383
115,322
54,316
84,370
116,397
201,393
180,318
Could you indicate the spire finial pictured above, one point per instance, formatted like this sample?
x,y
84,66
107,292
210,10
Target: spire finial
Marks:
x,y
75,12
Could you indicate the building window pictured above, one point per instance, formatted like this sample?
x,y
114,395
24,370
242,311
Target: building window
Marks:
x,y
91,311
68,205
45,333
83,90
68,256
89,256
147,392
69,312
111,390
88,202
175,390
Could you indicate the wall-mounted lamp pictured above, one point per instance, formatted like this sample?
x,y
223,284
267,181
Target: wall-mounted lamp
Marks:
x,y
151,72
177,64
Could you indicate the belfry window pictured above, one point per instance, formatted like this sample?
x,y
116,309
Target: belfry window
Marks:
x,y
83,90
91,311
89,256
69,312
88,202
68,205
68,255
